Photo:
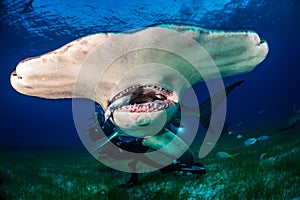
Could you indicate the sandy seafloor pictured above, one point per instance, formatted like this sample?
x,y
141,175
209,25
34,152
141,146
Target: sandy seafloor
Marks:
x,y
72,173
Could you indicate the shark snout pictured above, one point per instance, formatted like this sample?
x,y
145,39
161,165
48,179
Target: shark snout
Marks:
x,y
19,83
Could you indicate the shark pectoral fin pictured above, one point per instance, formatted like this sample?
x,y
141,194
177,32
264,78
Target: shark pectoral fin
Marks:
x,y
101,142
167,143
206,107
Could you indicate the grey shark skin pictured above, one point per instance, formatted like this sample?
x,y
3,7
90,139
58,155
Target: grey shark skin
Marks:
x,y
154,90
205,107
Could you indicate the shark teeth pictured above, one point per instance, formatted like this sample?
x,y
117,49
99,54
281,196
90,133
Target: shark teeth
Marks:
x,y
146,107
125,92
129,91
137,99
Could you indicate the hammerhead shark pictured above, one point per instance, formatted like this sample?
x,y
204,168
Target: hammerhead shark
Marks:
x,y
139,77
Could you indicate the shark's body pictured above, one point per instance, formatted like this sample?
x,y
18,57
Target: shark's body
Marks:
x,y
138,78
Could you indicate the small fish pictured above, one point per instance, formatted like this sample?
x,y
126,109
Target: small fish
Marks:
x,y
250,141
230,132
261,157
263,137
239,136
223,154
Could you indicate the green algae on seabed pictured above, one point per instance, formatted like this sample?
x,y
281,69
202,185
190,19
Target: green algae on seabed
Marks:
x,y
74,174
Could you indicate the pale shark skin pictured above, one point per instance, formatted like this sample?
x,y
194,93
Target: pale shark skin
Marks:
x,y
55,75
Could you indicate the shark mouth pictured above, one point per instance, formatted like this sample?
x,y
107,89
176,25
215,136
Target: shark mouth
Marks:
x,y
138,99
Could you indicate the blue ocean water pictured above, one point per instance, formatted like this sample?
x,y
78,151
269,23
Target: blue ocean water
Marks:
x,y
267,96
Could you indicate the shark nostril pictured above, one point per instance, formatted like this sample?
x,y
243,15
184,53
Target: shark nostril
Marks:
x,y
15,74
